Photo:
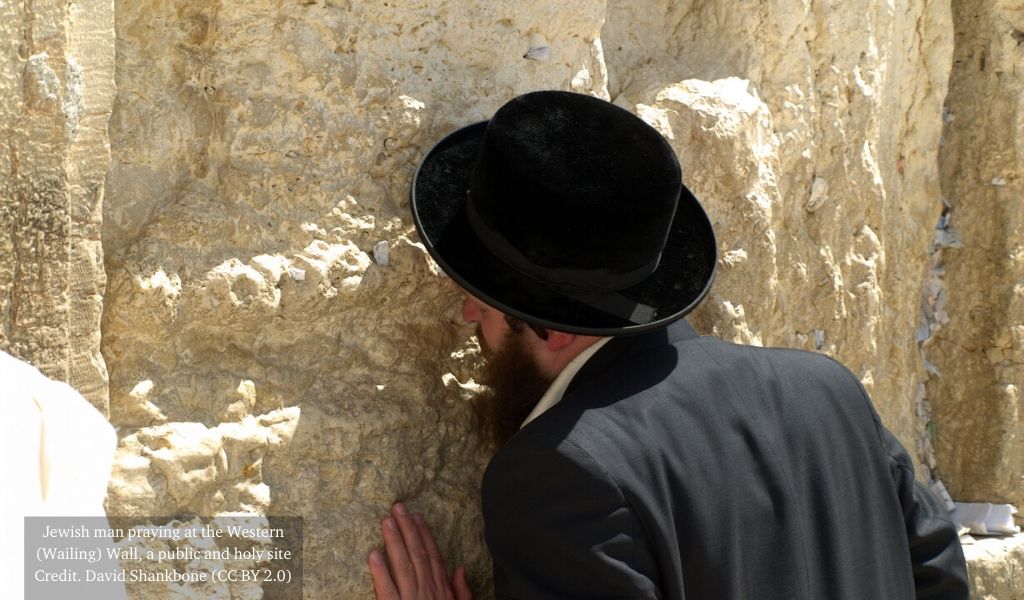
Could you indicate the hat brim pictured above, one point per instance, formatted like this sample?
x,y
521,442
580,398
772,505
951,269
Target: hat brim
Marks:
x,y
438,197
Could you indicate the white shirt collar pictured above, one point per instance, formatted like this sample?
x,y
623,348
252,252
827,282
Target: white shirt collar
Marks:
x,y
557,388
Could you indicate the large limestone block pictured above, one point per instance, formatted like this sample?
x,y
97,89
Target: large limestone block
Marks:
x,y
996,567
820,173
980,351
56,96
262,160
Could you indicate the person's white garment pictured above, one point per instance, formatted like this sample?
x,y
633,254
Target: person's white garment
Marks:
x,y
57,454
557,388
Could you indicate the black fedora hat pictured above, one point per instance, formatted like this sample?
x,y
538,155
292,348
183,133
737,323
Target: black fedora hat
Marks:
x,y
569,212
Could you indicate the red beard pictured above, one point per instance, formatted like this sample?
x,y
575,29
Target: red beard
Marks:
x,y
514,386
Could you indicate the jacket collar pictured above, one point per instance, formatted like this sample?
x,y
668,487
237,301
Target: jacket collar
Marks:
x,y
622,347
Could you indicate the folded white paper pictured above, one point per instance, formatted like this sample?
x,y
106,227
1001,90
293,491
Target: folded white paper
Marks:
x,y
983,518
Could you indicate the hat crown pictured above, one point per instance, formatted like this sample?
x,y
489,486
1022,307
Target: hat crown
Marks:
x,y
574,191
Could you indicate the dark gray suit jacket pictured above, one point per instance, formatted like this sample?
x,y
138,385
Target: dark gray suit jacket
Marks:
x,y
679,466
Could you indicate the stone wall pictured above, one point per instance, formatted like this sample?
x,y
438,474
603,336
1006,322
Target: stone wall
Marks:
x,y
278,341
262,356
979,353
56,93
818,166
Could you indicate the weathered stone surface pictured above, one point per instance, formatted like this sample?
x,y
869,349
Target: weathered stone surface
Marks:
x,y
996,568
56,95
261,151
980,352
818,169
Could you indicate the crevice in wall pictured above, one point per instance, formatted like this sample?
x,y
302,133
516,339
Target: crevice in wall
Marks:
x,y
933,316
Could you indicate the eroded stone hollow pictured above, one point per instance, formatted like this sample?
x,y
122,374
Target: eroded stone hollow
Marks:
x,y
205,227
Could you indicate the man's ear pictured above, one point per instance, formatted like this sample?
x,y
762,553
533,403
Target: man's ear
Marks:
x,y
558,340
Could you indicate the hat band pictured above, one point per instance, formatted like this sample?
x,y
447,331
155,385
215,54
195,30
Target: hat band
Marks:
x,y
589,280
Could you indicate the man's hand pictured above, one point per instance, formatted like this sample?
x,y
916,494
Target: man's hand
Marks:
x,y
417,569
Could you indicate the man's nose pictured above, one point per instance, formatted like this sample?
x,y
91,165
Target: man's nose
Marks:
x,y
470,310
